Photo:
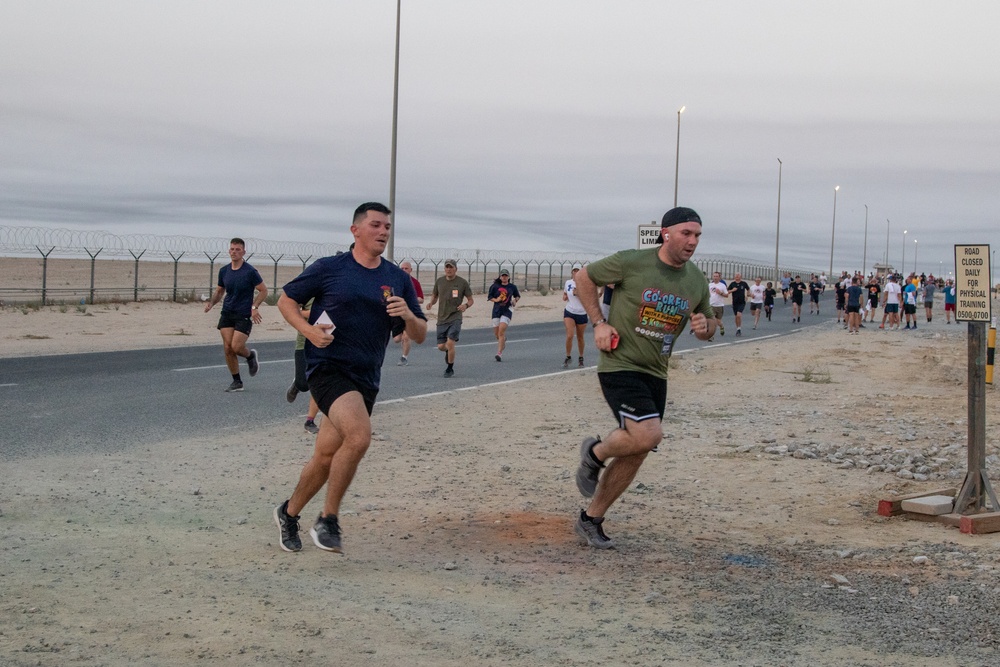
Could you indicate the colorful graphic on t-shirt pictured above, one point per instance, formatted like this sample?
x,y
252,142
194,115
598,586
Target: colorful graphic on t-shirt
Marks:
x,y
502,295
386,293
661,312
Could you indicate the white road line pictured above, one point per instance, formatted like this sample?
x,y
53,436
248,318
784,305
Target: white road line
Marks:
x,y
481,386
9,384
204,368
493,342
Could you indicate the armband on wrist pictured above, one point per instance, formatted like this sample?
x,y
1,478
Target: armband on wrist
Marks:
x,y
596,322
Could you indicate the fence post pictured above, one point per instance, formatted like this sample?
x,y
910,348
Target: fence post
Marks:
x,y
45,268
211,272
93,261
304,261
176,259
275,283
135,287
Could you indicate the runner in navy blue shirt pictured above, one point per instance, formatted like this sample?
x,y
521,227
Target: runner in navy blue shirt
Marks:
x,y
359,300
238,281
504,295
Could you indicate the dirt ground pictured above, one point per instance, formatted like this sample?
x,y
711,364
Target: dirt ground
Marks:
x,y
458,528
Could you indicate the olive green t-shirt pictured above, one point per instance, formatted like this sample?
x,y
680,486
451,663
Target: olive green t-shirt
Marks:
x,y
651,299
451,294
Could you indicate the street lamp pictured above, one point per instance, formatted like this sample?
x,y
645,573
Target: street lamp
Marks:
x,y
902,264
887,244
777,230
864,257
392,156
677,157
833,232
914,255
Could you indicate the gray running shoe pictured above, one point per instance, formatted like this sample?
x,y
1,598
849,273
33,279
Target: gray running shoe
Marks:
x,y
402,361
235,386
292,393
326,533
588,472
288,528
311,427
592,533
566,362
252,363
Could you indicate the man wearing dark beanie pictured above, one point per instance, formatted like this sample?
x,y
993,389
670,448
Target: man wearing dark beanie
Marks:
x,y
657,292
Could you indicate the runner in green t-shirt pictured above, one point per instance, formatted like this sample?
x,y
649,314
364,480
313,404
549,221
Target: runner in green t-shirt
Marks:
x,y
657,293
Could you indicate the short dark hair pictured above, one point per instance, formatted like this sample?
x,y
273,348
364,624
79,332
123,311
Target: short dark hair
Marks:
x,y
360,211
237,241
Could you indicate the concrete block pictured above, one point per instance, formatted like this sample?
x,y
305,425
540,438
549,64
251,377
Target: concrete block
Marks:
x,y
933,505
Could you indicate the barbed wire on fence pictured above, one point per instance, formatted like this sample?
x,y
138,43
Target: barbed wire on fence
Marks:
x,y
536,267
43,241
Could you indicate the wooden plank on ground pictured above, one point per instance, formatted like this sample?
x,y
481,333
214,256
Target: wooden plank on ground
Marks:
x,y
979,524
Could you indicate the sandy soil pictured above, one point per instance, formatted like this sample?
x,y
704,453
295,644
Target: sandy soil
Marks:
x,y
458,528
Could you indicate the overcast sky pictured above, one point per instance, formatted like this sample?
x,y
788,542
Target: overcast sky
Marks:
x,y
523,124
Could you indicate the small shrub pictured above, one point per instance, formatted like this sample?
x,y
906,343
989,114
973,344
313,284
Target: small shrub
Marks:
x,y
82,308
543,290
810,374
272,298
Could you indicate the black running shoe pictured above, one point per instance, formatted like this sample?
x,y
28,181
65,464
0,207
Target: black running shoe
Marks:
x,y
498,358
235,386
288,528
326,533
292,392
252,363
449,372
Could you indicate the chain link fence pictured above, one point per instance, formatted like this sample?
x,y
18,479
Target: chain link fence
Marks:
x,y
45,265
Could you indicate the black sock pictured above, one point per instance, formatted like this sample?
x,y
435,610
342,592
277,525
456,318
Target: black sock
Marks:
x,y
586,517
236,378
593,456
451,366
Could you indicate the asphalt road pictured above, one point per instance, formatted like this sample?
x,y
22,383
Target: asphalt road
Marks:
x,y
104,402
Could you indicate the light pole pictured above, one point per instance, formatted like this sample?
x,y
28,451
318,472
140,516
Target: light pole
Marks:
x,y
677,157
833,232
864,256
777,230
887,244
902,263
392,156
914,255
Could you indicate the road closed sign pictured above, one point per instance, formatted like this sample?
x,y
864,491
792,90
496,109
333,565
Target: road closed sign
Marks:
x,y
972,283
648,235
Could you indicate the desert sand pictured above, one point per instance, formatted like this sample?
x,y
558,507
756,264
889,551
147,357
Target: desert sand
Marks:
x,y
751,538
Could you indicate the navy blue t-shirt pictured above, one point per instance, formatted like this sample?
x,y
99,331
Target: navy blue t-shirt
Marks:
x,y
239,286
502,308
354,297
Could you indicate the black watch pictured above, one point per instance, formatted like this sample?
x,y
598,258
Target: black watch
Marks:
x,y
596,322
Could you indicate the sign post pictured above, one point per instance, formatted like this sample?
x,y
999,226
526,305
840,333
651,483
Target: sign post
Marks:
x,y
974,305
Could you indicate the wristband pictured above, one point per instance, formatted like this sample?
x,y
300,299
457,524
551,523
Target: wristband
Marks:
x,y
596,322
